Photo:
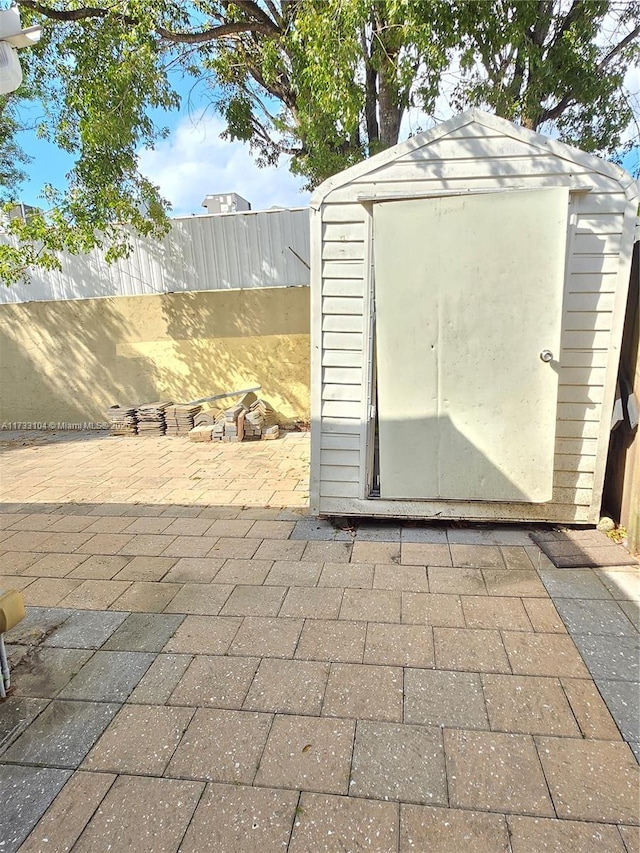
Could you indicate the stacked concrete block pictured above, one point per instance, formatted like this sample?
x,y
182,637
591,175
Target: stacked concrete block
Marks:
x,y
203,419
122,420
233,424
180,419
260,422
218,427
270,433
201,433
151,417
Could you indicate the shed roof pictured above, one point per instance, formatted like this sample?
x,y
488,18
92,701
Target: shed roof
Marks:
x,y
475,116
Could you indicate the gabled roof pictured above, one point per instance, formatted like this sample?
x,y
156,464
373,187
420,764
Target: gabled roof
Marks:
x,y
475,116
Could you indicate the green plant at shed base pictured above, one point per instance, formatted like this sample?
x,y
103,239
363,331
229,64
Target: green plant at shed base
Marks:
x,y
618,534
325,83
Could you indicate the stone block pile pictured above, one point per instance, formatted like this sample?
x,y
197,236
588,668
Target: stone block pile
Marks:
x,y
251,419
260,421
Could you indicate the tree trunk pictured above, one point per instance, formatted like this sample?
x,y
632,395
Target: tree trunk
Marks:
x,y
389,109
370,94
390,113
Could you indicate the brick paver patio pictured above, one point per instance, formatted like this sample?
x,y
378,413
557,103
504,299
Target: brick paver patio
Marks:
x,y
203,667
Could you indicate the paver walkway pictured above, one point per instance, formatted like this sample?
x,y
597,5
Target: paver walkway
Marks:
x,y
204,668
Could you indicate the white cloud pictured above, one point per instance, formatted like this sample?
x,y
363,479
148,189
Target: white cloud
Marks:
x,y
193,162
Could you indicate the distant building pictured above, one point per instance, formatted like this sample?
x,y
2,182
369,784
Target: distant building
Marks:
x,y
18,211
22,211
225,203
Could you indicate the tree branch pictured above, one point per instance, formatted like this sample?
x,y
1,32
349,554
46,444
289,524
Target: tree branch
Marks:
x,y
572,15
632,36
274,12
555,112
252,9
543,22
201,37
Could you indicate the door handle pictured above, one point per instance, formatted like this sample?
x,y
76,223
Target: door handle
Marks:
x,y
546,355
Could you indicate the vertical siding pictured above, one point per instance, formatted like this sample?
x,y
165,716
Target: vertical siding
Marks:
x,y
473,157
216,252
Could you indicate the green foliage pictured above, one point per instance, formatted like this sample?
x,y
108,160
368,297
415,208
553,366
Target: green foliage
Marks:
x,y
326,83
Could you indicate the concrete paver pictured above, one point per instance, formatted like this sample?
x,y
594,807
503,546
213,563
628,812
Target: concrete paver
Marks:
x,y
346,575
221,746
506,614
141,812
143,632
530,835
26,792
341,642
242,819
452,830
242,676
364,692
393,762
441,698
204,635
589,709
108,676
121,749
399,645
379,605
309,753
62,734
266,637
85,629
433,609
470,650
329,824
188,598
288,687
160,680
513,582
48,670
193,570
216,681
70,813
495,771
591,779
528,705
323,602
244,572
543,654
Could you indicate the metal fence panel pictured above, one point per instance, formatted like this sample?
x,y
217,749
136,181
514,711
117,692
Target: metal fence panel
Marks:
x,y
210,252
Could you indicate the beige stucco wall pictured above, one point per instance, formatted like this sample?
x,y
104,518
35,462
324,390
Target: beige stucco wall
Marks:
x,y
68,361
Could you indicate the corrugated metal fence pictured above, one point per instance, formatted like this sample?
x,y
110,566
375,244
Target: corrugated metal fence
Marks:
x,y
267,248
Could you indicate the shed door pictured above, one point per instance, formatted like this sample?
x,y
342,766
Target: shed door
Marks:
x,y
468,293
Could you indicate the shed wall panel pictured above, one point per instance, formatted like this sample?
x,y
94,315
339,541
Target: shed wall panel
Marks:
x,y
343,375
342,358
342,287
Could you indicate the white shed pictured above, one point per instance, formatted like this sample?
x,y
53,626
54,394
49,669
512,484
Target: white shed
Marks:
x,y
468,293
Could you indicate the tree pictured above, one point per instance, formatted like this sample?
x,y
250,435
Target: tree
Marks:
x,y
325,82
555,66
